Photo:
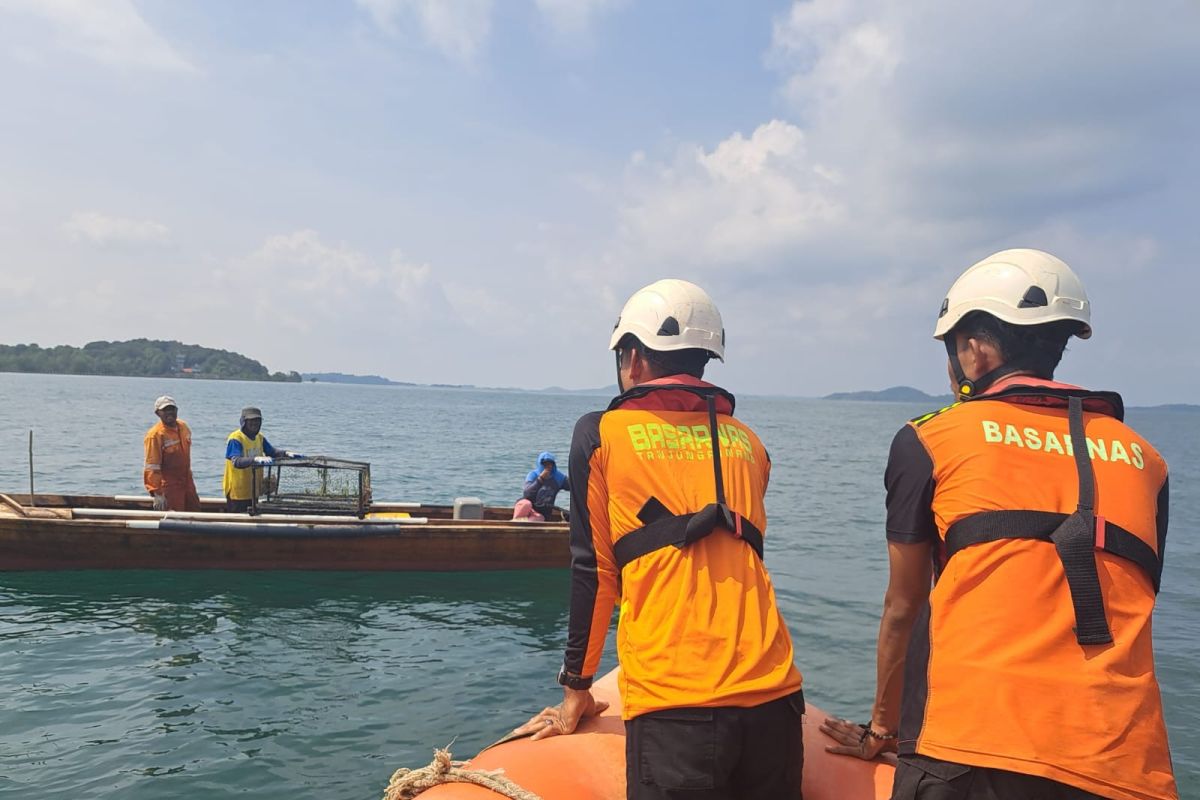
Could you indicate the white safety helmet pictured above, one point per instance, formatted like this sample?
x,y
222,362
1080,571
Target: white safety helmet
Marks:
x,y
672,314
1022,287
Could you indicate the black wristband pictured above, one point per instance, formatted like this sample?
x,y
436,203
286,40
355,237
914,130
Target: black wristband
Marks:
x,y
573,681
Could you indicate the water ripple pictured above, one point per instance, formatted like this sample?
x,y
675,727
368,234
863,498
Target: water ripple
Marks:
x,y
148,685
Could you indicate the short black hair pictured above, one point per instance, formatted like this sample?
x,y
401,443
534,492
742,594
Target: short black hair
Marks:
x,y
1037,348
690,361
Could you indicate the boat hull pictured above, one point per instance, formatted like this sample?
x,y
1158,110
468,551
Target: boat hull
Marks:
x,y
136,538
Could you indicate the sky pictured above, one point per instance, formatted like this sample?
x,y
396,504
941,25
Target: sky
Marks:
x,y
466,191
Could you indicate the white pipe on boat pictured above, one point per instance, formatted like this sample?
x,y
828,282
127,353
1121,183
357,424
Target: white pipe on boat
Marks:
x,y
378,504
134,498
153,524
205,516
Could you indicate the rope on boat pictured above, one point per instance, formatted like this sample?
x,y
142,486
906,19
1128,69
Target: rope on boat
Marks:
x,y
408,783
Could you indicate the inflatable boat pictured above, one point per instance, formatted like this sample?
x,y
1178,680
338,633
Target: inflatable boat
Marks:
x,y
590,764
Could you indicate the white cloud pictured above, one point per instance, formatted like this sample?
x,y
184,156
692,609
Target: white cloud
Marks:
x,y
458,28
913,139
102,229
920,133
903,142
338,281
109,31
831,49
322,305
746,198
295,301
975,113
575,17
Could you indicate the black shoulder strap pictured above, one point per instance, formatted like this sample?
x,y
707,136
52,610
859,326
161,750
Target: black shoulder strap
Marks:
x,y
680,530
1075,536
994,526
1075,541
716,449
663,529
1107,403
644,389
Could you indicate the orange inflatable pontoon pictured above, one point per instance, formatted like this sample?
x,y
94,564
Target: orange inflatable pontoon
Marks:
x,y
590,764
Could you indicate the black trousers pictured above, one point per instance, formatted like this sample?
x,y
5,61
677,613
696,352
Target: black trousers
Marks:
x,y
236,506
923,778
717,753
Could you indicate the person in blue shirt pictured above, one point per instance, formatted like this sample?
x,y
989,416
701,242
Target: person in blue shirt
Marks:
x,y
542,485
247,451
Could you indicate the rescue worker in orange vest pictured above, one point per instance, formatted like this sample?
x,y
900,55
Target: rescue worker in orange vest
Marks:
x,y
667,520
1028,669
168,468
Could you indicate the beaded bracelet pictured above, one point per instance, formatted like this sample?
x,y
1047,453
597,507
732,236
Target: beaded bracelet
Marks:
x,y
867,730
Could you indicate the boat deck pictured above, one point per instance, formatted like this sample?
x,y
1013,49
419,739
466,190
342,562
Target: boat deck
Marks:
x,y
53,532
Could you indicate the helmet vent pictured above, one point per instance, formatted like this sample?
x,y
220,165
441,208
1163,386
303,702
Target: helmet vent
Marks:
x,y
945,308
1035,297
669,327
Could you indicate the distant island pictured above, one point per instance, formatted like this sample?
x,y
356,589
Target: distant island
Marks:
x,y
907,394
1172,407
603,391
895,394
379,380
143,358
343,377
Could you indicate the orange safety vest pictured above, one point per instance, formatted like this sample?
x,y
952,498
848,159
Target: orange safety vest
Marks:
x,y
1035,653
672,527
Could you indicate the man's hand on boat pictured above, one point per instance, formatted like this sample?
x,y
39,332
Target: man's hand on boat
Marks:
x,y
158,502
854,739
563,718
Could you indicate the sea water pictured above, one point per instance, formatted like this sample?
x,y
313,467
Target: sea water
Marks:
x,y
150,685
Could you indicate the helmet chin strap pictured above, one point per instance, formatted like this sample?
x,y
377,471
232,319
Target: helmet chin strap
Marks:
x,y
964,387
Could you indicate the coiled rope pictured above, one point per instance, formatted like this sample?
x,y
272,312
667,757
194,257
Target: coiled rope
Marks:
x,y
408,783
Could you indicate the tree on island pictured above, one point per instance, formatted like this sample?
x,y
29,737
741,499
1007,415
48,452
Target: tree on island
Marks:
x,y
149,358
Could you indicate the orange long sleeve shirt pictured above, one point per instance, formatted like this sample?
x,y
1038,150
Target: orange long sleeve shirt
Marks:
x,y
168,462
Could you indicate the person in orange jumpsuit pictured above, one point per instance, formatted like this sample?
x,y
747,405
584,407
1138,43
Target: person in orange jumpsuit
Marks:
x,y
168,469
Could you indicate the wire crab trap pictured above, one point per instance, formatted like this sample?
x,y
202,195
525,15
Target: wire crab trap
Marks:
x,y
316,485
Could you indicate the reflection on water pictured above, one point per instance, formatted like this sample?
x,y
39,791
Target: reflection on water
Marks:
x,y
326,607
174,683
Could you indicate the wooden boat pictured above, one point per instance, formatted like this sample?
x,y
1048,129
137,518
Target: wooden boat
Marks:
x,y
53,532
590,764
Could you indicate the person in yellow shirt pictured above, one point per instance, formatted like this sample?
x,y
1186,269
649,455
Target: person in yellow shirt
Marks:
x,y
247,451
667,520
167,472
